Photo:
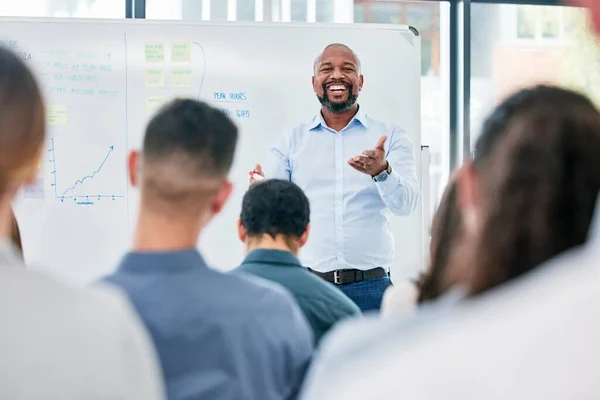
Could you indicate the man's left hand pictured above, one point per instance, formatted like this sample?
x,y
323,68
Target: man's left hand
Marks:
x,y
372,161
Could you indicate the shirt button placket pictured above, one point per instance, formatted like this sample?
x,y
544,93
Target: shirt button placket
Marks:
x,y
339,195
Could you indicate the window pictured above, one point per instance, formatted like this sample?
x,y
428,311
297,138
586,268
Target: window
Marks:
x,y
500,67
542,22
526,22
298,10
64,8
425,17
246,11
325,11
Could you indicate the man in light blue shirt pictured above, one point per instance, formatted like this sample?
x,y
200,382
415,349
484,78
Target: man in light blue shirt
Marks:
x,y
219,336
356,172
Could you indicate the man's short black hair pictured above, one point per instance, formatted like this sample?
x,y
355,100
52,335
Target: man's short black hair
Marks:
x,y
275,207
194,130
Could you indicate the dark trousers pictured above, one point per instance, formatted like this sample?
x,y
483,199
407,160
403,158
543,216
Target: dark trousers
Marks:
x,y
366,294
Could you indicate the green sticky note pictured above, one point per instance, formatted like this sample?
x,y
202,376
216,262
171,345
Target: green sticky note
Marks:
x,y
182,78
180,52
155,52
153,103
155,77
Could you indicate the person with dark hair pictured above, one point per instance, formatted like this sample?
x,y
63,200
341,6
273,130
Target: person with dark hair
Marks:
x,y
446,234
56,341
522,292
357,173
218,335
274,224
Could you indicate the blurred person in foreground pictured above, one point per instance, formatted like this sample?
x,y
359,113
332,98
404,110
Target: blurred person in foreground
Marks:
x,y
274,224
15,233
218,335
446,233
57,341
528,196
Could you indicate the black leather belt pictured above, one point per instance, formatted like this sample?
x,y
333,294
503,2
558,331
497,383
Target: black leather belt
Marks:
x,y
345,276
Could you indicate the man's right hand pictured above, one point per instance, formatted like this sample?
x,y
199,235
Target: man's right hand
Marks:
x,y
257,170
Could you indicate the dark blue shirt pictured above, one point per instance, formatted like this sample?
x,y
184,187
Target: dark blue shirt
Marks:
x,y
218,336
323,304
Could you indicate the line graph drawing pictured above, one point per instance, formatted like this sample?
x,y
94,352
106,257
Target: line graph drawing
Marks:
x,y
80,199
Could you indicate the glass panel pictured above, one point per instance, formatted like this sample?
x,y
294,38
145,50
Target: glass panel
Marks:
x,y
324,10
298,10
501,63
63,8
246,10
526,22
218,10
425,16
550,21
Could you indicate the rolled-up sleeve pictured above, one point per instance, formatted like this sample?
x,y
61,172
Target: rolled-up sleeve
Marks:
x,y
277,162
400,191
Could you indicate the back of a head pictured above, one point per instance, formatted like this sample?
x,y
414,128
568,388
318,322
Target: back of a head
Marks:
x,y
22,124
275,207
538,174
187,153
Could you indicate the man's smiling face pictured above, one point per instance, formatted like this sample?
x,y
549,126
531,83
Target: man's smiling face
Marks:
x,y
337,79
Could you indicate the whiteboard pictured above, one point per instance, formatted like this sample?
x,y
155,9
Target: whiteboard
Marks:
x,y
103,79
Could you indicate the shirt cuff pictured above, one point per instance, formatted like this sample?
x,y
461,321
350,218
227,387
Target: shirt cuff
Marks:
x,y
390,184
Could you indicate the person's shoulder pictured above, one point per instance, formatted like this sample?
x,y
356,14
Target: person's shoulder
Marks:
x,y
99,312
300,128
315,289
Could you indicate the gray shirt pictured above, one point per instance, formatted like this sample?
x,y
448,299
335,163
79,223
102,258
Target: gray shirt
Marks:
x,y
219,336
61,342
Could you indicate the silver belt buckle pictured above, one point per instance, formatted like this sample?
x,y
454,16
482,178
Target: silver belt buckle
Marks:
x,y
336,277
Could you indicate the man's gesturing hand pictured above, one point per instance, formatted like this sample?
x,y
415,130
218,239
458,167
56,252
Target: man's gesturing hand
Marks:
x,y
371,162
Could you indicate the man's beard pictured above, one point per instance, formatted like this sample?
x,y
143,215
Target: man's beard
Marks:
x,y
338,107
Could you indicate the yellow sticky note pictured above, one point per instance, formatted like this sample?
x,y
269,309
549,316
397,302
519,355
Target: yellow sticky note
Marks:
x,y
57,115
153,103
182,78
155,52
180,51
155,77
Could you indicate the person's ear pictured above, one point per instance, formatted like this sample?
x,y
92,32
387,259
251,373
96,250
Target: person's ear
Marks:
x,y
467,197
304,236
133,167
314,83
221,198
361,81
242,232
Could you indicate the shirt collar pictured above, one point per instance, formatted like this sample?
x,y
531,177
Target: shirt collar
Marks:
x,y
279,257
318,120
175,261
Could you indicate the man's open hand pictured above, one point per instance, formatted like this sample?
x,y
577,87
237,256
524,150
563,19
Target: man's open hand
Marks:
x,y
372,161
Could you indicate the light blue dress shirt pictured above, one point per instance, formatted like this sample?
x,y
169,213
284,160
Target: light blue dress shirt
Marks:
x,y
350,213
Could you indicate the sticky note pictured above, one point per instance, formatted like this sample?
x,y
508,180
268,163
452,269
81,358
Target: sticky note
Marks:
x,y
56,115
155,52
153,103
180,52
182,78
155,77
